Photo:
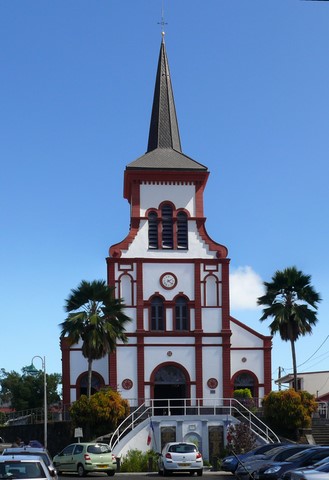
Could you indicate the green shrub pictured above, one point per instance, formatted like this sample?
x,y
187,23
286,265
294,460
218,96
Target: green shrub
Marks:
x,y
137,461
287,411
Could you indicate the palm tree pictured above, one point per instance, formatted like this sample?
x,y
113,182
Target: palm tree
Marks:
x,y
289,297
96,317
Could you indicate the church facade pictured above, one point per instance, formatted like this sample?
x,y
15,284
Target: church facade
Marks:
x,y
174,280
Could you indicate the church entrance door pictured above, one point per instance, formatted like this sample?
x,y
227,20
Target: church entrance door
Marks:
x,y
169,391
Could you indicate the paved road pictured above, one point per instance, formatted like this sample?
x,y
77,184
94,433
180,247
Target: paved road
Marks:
x,y
152,475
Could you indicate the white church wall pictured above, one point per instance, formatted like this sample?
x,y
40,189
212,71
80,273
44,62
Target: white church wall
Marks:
x,y
157,355
181,195
79,365
127,359
211,320
244,337
252,360
131,326
212,368
184,273
139,246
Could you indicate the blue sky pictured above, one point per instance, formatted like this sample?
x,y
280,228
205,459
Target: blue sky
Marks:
x,y
250,80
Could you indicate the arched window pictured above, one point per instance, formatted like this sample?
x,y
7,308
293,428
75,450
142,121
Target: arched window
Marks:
x,y
182,237
153,230
181,314
167,226
157,314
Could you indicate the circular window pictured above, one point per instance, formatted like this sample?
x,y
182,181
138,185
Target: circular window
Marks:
x,y
127,384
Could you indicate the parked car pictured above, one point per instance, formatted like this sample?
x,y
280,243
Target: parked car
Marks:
x,y
231,462
277,454
23,467
180,457
302,459
41,452
316,472
86,457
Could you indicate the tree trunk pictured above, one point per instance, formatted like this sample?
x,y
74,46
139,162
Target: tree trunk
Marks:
x,y
294,364
90,364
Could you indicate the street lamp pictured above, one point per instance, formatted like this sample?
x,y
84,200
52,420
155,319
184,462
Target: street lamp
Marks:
x,y
43,360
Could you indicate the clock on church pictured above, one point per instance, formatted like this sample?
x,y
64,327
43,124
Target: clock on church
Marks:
x,y
168,280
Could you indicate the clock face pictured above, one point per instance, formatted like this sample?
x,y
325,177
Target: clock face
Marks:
x,y
168,280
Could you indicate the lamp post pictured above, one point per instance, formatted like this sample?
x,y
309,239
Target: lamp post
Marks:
x,y
43,360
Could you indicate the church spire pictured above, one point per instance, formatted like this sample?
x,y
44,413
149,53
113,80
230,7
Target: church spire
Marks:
x,y
164,131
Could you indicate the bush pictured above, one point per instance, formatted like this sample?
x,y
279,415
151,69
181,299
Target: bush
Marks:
x,y
287,411
137,461
100,413
243,395
240,438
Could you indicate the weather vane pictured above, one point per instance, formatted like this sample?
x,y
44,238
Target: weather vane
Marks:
x,y
162,23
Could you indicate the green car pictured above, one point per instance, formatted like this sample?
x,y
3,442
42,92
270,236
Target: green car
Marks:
x,y
86,457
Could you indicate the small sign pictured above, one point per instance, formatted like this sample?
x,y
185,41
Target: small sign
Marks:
x,y
78,432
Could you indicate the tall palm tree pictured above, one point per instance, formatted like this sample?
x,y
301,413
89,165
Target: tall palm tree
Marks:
x,y
96,317
289,297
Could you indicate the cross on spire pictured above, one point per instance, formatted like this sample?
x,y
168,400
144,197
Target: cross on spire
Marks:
x,y
162,23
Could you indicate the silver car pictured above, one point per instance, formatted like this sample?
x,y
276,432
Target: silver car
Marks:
x,y
23,467
39,451
180,457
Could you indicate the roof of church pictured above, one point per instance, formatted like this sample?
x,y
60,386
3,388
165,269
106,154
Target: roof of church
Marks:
x,y
164,148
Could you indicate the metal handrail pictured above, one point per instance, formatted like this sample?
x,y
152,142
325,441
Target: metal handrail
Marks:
x,y
193,406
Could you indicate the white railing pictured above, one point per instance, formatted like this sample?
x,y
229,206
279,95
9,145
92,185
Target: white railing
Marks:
x,y
194,406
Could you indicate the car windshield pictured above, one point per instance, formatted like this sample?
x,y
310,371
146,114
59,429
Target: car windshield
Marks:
x,y
181,448
97,449
273,451
298,455
14,469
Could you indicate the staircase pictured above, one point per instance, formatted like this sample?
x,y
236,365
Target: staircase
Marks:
x,y
320,430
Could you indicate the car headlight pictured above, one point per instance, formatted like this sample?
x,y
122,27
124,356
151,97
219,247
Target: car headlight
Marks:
x,y
228,460
272,470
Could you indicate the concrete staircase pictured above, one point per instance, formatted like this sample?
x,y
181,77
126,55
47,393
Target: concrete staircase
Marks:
x,y
320,430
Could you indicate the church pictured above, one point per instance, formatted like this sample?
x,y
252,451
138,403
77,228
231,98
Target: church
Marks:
x,y
174,280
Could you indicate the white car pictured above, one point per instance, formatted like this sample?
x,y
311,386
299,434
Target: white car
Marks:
x,y
24,467
180,457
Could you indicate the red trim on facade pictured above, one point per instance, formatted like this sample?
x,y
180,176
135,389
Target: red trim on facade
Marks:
x,y
66,367
198,366
113,369
267,365
225,295
226,365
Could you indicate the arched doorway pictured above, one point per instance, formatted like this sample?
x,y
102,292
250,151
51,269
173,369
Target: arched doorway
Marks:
x,y
170,390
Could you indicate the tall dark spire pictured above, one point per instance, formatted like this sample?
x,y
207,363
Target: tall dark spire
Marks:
x,y
164,150
164,131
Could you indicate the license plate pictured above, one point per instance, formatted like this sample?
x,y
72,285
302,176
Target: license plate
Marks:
x,y
183,464
102,466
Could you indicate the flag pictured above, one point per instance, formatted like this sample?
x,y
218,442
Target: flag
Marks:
x,y
150,434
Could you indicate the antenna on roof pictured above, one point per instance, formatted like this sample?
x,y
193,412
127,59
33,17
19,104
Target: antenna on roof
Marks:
x,y
162,23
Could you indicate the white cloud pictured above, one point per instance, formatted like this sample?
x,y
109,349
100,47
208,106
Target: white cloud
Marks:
x,y
245,287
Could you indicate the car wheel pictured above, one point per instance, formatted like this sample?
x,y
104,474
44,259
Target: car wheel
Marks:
x,y
81,471
166,472
110,473
160,472
200,472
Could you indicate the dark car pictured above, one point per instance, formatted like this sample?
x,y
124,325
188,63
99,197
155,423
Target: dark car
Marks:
x,y
278,454
319,471
231,462
305,458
